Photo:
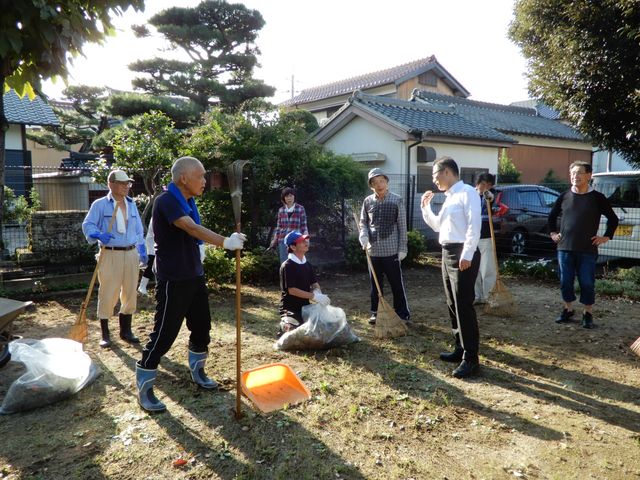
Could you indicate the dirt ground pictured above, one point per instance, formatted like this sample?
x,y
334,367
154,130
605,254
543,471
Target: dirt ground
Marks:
x,y
552,401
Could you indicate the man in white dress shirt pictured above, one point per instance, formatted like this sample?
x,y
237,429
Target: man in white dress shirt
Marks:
x,y
458,224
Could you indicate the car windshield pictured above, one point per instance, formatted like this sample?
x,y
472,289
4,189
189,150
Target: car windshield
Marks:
x,y
621,191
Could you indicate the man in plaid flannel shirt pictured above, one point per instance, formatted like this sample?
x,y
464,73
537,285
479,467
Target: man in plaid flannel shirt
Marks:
x,y
383,232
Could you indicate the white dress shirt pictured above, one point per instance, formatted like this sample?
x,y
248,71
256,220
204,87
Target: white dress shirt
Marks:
x,y
459,219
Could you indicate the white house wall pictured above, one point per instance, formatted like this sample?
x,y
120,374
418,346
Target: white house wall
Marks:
x,y
466,156
13,137
361,136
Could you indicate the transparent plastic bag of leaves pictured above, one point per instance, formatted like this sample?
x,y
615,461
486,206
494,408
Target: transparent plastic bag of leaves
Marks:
x,y
57,368
323,328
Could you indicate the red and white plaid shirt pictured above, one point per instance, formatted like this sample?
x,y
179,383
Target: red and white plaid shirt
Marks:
x,y
289,222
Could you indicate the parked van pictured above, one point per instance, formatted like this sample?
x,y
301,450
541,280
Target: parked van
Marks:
x,y
623,191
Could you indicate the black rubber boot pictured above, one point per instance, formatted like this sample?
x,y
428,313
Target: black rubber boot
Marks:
x,y
125,329
105,342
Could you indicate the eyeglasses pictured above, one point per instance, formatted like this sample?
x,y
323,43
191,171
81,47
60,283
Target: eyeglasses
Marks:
x,y
435,174
128,184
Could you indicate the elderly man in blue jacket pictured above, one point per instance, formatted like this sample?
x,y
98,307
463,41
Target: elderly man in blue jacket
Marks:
x,y
122,249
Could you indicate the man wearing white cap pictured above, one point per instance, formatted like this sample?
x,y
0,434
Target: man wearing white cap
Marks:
x,y
123,249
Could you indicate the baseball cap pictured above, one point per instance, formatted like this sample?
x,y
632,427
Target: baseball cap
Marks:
x,y
119,176
294,237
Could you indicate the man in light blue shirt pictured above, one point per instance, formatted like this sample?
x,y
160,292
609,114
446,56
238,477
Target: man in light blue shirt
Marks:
x,y
122,249
458,224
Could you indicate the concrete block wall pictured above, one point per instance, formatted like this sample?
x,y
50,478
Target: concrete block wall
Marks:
x,y
52,232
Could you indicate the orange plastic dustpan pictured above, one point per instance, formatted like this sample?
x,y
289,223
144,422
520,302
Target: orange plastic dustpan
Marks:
x,y
271,387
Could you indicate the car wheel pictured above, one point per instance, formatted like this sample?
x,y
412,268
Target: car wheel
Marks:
x,y
519,242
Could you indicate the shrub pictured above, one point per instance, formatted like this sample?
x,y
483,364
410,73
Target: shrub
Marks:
x,y
415,246
354,255
259,266
355,258
629,274
543,268
218,266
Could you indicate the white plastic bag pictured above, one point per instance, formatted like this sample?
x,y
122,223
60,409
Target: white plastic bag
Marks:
x,y
323,327
56,369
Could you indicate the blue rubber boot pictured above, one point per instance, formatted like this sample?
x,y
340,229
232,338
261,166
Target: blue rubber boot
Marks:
x,y
146,398
196,365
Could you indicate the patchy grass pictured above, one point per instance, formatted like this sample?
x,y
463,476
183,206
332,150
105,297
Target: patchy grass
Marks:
x,y
553,401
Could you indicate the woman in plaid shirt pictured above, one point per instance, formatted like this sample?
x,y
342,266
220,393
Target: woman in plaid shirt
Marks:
x,y
291,217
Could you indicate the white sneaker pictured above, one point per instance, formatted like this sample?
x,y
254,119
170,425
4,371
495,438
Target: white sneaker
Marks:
x,y
143,290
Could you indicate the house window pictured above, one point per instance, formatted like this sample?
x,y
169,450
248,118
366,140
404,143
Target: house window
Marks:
x,y
332,110
428,79
470,175
425,180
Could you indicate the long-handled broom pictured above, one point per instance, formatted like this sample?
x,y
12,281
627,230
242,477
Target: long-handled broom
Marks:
x,y
80,330
500,302
388,323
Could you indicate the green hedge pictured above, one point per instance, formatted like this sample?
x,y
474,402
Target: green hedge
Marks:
x,y
257,266
356,259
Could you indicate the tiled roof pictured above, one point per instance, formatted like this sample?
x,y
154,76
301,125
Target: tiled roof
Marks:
x,y
28,112
429,120
505,118
541,108
361,82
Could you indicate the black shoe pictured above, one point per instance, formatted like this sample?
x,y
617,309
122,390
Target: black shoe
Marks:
x,y
372,318
565,316
453,357
587,320
466,369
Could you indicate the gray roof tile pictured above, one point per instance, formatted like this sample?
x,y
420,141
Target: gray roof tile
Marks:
x,y
368,80
509,119
430,120
28,112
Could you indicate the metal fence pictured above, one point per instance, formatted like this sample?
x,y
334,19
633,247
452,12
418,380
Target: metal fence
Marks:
x,y
520,211
521,216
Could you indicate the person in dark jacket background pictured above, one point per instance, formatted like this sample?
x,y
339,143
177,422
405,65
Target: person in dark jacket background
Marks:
x,y
487,275
577,238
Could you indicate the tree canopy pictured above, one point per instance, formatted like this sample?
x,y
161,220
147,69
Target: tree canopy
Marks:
x,y
38,39
80,119
584,61
219,39
281,155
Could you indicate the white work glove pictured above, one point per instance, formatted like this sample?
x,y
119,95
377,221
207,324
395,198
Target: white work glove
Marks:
x,y
321,298
203,253
235,241
488,195
402,255
364,240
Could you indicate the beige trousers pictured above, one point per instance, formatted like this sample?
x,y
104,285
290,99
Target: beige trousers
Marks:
x,y
118,277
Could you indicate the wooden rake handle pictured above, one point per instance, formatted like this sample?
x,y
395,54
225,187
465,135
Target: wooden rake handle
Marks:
x,y
493,237
373,272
